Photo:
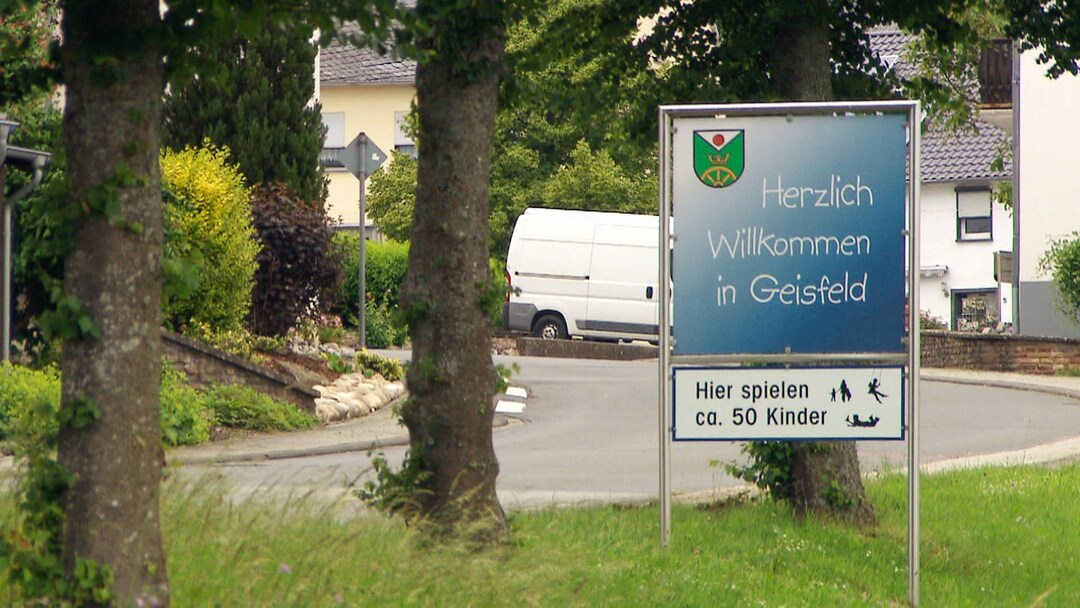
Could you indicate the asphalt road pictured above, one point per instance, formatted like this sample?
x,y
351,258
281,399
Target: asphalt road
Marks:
x,y
589,433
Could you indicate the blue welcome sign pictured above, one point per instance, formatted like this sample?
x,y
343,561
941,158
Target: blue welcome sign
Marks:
x,y
789,234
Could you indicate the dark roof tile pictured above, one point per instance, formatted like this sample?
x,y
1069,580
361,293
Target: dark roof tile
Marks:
x,y
344,64
951,157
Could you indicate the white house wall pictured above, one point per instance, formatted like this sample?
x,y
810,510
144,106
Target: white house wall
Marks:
x,y
969,264
1049,193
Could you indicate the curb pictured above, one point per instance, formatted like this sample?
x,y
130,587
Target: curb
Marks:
x,y
396,440
502,420
1001,383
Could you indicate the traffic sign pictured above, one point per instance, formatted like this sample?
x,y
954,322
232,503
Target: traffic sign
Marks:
x,y
741,404
362,156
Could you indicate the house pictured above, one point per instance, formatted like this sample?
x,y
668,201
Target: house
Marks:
x,y
1037,113
963,227
1047,190
361,92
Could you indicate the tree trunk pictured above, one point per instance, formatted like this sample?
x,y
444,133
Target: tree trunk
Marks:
x,y
825,477
112,67
452,379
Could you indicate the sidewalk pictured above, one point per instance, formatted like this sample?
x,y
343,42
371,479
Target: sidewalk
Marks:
x,y
378,429
381,429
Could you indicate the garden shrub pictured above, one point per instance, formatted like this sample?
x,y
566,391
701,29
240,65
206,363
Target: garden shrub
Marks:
x,y
245,408
211,213
238,341
391,369
386,266
299,269
186,418
383,326
30,399
1062,262
23,391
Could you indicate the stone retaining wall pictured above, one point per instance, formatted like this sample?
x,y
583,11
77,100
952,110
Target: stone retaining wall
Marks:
x,y
992,352
999,352
584,349
204,365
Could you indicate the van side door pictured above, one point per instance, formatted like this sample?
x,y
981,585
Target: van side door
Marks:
x,y
623,296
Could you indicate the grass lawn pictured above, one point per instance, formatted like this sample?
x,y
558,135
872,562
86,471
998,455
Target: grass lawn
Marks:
x,y
990,537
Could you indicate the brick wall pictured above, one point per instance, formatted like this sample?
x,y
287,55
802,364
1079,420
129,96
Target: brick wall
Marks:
x,y
992,352
999,352
204,365
584,349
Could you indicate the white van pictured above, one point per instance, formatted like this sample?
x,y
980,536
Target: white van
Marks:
x,y
583,273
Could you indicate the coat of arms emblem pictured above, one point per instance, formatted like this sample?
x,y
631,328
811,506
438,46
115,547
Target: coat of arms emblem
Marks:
x,y
719,157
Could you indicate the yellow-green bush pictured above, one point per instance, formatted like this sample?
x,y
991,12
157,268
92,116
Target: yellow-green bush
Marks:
x,y
30,400
208,221
24,392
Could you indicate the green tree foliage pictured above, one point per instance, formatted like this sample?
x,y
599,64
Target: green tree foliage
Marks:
x,y
392,195
593,181
44,236
299,268
1062,262
1051,27
257,108
210,215
515,177
25,33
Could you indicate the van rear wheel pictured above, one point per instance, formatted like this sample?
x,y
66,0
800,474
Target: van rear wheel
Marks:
x,y
550,327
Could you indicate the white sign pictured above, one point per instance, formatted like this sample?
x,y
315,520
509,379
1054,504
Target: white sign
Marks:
x,y
755,404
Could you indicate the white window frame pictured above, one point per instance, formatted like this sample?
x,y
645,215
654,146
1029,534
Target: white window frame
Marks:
x,y
403,142
974,209
335,129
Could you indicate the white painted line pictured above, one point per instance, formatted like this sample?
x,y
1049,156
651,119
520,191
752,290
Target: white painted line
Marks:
x,y
509,407
517,391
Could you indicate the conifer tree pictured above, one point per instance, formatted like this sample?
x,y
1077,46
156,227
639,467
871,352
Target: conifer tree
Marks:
x,y
251,94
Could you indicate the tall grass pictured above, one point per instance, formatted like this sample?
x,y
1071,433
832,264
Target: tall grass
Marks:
x,y
991,537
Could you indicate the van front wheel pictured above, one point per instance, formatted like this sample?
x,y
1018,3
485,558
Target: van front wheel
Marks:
x,y
550,327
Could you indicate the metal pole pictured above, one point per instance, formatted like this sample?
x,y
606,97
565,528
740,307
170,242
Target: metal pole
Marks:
x,y
914,351
5,292
1015,287
664,331
362,271
6,127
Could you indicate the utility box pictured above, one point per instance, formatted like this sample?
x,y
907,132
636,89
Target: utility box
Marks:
x,y
1003,266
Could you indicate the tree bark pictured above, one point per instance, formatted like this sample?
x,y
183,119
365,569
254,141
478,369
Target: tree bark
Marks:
x,y
114,74
825,477
452,378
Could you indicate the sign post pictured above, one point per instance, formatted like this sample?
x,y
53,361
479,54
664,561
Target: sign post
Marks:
x,y
362,158
791,246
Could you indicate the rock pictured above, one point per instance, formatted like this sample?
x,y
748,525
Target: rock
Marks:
x,y
325,412
372,400
394,389
357,409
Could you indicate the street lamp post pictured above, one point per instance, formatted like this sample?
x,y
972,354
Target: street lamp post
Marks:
x,y
32,161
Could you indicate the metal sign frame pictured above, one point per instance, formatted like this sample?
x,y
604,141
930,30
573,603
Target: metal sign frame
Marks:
x,y
668,116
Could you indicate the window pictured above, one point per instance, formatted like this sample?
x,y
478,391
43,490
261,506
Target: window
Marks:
x,y
334,142
974,215
402,141
974,310
335,129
